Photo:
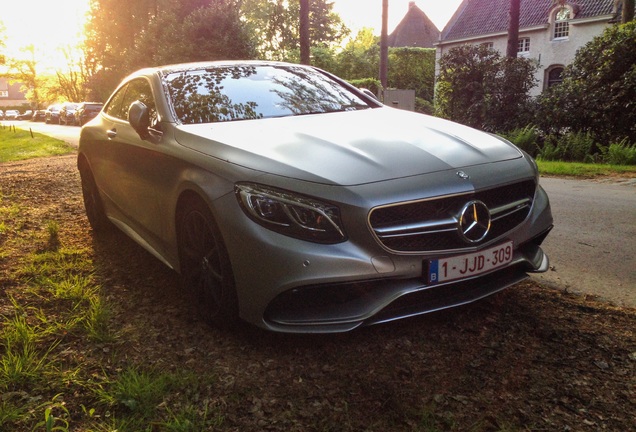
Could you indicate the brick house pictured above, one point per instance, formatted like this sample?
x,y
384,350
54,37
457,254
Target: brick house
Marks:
x,y
414,30
548,33
10,94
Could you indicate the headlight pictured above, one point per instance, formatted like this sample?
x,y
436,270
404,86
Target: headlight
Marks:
x,y
291,214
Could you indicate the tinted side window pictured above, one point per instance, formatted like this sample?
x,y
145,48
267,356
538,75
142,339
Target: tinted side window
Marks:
x,y
114,107
139,90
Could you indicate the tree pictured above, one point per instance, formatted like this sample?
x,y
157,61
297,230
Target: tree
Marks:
x,y
305,43
598,91
154,32
24,71
413,68
360,58
479,88
2,43
513,28
276,25
628,10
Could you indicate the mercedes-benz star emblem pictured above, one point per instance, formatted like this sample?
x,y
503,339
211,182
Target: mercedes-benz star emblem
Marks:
x,y
462,175
474,222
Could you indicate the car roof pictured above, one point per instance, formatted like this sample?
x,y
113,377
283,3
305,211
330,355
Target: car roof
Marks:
x,y
180,67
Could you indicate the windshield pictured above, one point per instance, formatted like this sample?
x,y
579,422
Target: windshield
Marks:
x,y
231,93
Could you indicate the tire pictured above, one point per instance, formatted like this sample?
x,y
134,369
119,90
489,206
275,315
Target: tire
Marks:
x,y
205,266
93,202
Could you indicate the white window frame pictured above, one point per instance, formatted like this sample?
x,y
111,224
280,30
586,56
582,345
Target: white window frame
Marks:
x,y
561,24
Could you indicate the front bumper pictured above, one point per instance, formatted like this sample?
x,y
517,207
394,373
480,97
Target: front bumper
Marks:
x,y
288,285
343,307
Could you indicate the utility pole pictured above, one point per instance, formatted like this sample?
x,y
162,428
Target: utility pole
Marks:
x,y
384,47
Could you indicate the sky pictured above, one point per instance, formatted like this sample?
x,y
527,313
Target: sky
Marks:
x,y
49,25
368,13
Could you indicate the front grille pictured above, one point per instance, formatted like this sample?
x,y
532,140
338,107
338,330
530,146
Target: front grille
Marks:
x,y
431,225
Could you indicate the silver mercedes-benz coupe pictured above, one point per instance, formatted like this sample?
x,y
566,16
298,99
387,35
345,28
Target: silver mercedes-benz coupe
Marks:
x,y
289,199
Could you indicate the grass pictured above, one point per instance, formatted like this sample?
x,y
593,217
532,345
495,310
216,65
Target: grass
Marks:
x,y
577,169
54,309
17,144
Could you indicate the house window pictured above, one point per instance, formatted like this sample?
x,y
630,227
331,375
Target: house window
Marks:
x,y
524,45
555,76
490,45
562,23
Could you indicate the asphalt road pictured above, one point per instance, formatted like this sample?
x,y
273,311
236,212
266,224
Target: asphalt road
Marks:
x,y
70,134
592,247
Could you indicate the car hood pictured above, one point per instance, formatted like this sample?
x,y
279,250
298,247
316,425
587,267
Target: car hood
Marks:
x,y
347,148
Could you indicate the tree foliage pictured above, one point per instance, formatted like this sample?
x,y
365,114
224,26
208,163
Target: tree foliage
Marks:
x,y
414,69
478,87
154,32
276,25
598,92
360,57
2,43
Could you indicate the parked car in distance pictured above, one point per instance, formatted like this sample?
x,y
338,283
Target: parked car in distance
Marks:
x,y
67,113
27,115
86,111
1,114
39,115
11,114
52,114
290,199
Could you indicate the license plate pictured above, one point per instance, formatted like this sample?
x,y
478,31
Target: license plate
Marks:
x,y
472,264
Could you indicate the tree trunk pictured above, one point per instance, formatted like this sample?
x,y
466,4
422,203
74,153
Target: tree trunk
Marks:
x,y
513,28
305,57
628,11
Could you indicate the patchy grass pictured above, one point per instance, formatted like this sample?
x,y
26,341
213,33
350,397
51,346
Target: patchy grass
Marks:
x,y
97,335
18,144
576,169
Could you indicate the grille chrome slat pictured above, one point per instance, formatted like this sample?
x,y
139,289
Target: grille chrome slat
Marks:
x,y
431,225
512,206
417,228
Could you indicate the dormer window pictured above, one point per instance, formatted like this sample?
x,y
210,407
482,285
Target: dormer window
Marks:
x,y
562,23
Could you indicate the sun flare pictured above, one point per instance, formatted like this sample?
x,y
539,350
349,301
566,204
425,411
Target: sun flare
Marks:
x,y
50,27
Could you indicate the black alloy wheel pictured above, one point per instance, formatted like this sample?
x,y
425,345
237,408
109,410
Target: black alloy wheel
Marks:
x,y
205,266
92,201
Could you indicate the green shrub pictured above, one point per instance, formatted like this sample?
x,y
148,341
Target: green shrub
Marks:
x,y
423,106
598,91
478,87
372,84
620,154
570,147
527,139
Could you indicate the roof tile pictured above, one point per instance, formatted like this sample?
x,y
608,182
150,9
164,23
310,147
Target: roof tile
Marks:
x,y
479,17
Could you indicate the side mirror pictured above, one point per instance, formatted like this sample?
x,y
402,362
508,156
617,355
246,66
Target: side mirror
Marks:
x,y
139,118
369,93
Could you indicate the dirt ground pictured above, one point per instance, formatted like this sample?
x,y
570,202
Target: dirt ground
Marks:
x,y
529,358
